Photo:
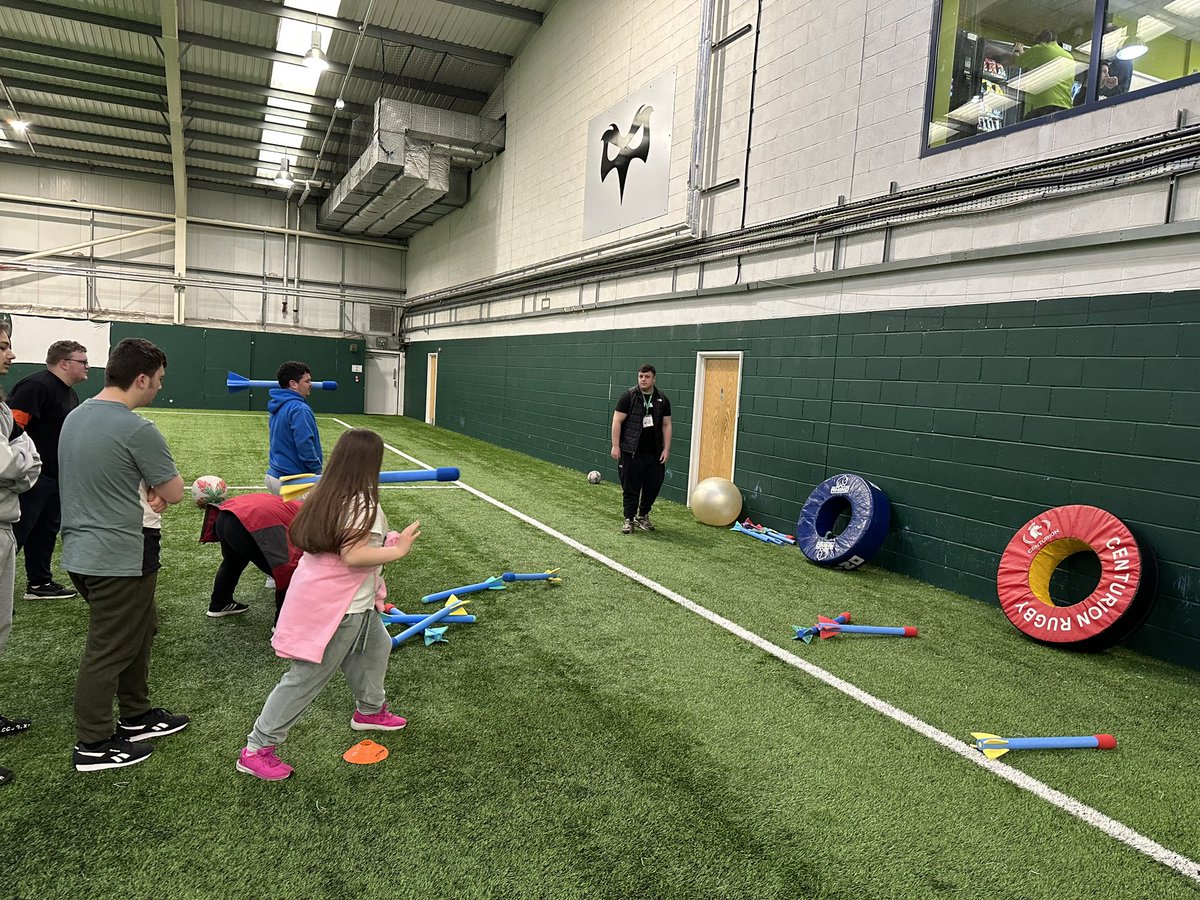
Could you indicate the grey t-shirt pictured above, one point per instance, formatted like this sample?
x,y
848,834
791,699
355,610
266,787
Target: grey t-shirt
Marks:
x,y
104,453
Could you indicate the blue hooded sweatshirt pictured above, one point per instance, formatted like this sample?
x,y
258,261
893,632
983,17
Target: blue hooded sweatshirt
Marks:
x,y
295,444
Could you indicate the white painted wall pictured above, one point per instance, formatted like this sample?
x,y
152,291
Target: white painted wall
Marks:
x,y
229,258
527,205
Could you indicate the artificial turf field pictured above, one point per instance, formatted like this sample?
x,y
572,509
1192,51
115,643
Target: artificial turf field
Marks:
x,y
597,738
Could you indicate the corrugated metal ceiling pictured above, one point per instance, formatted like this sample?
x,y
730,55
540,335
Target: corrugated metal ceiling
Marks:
x,y
89,77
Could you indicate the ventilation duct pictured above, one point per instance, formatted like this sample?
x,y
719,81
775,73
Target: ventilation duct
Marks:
x,y
418,160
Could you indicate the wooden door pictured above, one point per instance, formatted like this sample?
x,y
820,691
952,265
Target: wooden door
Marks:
x,y
431,390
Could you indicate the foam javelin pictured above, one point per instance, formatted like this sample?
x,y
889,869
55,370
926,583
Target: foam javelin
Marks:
x,y
236,382
296,484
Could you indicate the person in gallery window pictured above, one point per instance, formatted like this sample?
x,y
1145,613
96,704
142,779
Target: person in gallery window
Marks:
x,y
641,444
1048,71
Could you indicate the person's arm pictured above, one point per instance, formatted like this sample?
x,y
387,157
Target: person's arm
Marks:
x,y
617,422
304,433
166,494
667,432
361,555
26,402
20,464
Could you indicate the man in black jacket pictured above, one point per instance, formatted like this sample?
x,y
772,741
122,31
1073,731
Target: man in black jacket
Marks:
x,y
641,443
40,404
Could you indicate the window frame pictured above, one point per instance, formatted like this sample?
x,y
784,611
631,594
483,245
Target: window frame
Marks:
x,y
1090,103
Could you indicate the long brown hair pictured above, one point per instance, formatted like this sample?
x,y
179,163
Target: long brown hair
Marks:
x,y
341,509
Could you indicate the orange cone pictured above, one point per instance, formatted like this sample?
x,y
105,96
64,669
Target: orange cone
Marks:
x,y
365,752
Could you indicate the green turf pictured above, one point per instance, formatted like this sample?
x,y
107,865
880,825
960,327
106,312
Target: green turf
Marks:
x,y
594,739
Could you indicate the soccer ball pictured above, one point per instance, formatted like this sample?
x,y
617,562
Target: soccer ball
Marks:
x,y
209,489
594,477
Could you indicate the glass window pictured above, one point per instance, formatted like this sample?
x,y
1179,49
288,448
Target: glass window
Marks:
x,y
1000,63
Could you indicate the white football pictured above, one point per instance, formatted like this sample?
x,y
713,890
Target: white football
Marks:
x,y
209,489
594,477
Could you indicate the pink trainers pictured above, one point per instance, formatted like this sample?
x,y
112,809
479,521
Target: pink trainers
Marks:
x,y
263,763
380,721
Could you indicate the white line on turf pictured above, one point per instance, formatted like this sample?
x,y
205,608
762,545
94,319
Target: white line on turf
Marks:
x,y
1118,830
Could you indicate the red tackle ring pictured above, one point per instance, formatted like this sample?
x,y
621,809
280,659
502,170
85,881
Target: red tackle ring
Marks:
x,y
1117,606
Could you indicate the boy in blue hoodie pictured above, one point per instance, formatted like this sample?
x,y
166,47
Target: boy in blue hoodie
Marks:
x,y
295,445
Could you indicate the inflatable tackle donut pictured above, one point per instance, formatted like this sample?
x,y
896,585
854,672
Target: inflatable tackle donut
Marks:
x,y
1120,601
870,514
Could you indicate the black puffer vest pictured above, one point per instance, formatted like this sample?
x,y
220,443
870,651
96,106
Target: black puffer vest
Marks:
x,y
631,428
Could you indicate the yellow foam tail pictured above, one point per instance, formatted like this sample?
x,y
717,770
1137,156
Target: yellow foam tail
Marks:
x,y
553,573
993,746
458,610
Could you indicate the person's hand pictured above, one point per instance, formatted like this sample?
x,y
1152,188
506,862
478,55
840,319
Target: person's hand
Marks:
x,y
404,540
615,452
1107,82
155,502
663,458
1019,48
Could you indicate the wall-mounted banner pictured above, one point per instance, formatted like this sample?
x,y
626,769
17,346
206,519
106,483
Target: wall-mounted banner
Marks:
x,y
629,159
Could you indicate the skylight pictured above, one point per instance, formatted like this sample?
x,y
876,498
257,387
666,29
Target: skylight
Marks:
x,y
294,38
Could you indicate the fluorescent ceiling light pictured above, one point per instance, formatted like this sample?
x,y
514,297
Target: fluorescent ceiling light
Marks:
x,y
1189,9
18,125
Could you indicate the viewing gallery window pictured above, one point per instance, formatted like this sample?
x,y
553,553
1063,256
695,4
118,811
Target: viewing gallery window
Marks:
x,y
1001,62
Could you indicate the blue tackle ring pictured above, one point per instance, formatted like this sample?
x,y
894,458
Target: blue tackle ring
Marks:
x,y
870,514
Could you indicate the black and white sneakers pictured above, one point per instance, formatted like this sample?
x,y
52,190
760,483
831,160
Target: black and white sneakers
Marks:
x,y
232,608
121,749
51,590
111,754
151,724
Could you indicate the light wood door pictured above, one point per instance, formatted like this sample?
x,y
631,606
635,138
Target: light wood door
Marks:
x,y
431,390
718,423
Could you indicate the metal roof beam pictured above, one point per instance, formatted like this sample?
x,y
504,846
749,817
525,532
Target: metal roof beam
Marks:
x,y
496,8
19,67
137,26
256,52
490,57
90,137
170,50
91,59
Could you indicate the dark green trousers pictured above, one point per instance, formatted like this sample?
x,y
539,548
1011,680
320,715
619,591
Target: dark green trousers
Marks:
x,y
122,622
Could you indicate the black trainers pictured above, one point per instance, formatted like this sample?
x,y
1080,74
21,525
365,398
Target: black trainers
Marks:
x,y
232,608
111,754
6,776
51,590
627,528
643,522
151,724
13,726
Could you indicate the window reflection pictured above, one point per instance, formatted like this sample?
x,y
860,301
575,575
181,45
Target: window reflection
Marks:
x,y
1001,62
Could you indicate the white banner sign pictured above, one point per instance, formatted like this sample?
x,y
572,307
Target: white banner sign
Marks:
x,y
629,160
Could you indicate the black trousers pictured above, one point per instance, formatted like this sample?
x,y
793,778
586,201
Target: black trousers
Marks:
x,y
37,531
641,480
238,550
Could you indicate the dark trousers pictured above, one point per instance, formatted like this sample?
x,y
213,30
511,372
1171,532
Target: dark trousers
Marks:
x,y
238,550
641,480
37,531
122,622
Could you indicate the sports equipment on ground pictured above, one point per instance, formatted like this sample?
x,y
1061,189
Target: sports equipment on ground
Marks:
x,y
209,489
594,477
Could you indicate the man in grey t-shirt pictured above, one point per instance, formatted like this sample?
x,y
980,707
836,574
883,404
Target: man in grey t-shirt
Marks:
x,y
116,477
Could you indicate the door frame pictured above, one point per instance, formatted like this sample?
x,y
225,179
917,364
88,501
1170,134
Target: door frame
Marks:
x,y
698,410
399,385
431,362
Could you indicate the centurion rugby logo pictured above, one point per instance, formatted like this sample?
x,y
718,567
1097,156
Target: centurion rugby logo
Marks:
x,y
622,147
841,486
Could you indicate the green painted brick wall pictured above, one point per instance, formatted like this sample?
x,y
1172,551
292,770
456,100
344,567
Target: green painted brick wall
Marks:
x,y
973,419
198,360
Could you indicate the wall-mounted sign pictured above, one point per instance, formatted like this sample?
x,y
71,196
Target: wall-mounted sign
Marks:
x,y
629,159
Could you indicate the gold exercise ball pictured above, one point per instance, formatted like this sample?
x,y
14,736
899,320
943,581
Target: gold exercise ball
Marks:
x,y
716,501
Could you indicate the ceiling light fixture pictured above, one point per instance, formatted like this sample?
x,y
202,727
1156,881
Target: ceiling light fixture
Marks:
x,y
315,57
283,177
18,125
339,103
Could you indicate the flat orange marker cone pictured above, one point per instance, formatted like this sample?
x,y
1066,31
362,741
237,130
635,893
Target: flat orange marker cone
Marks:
x,y
365,752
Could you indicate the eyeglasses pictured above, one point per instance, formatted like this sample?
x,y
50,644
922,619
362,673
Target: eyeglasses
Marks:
x,y
82,362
